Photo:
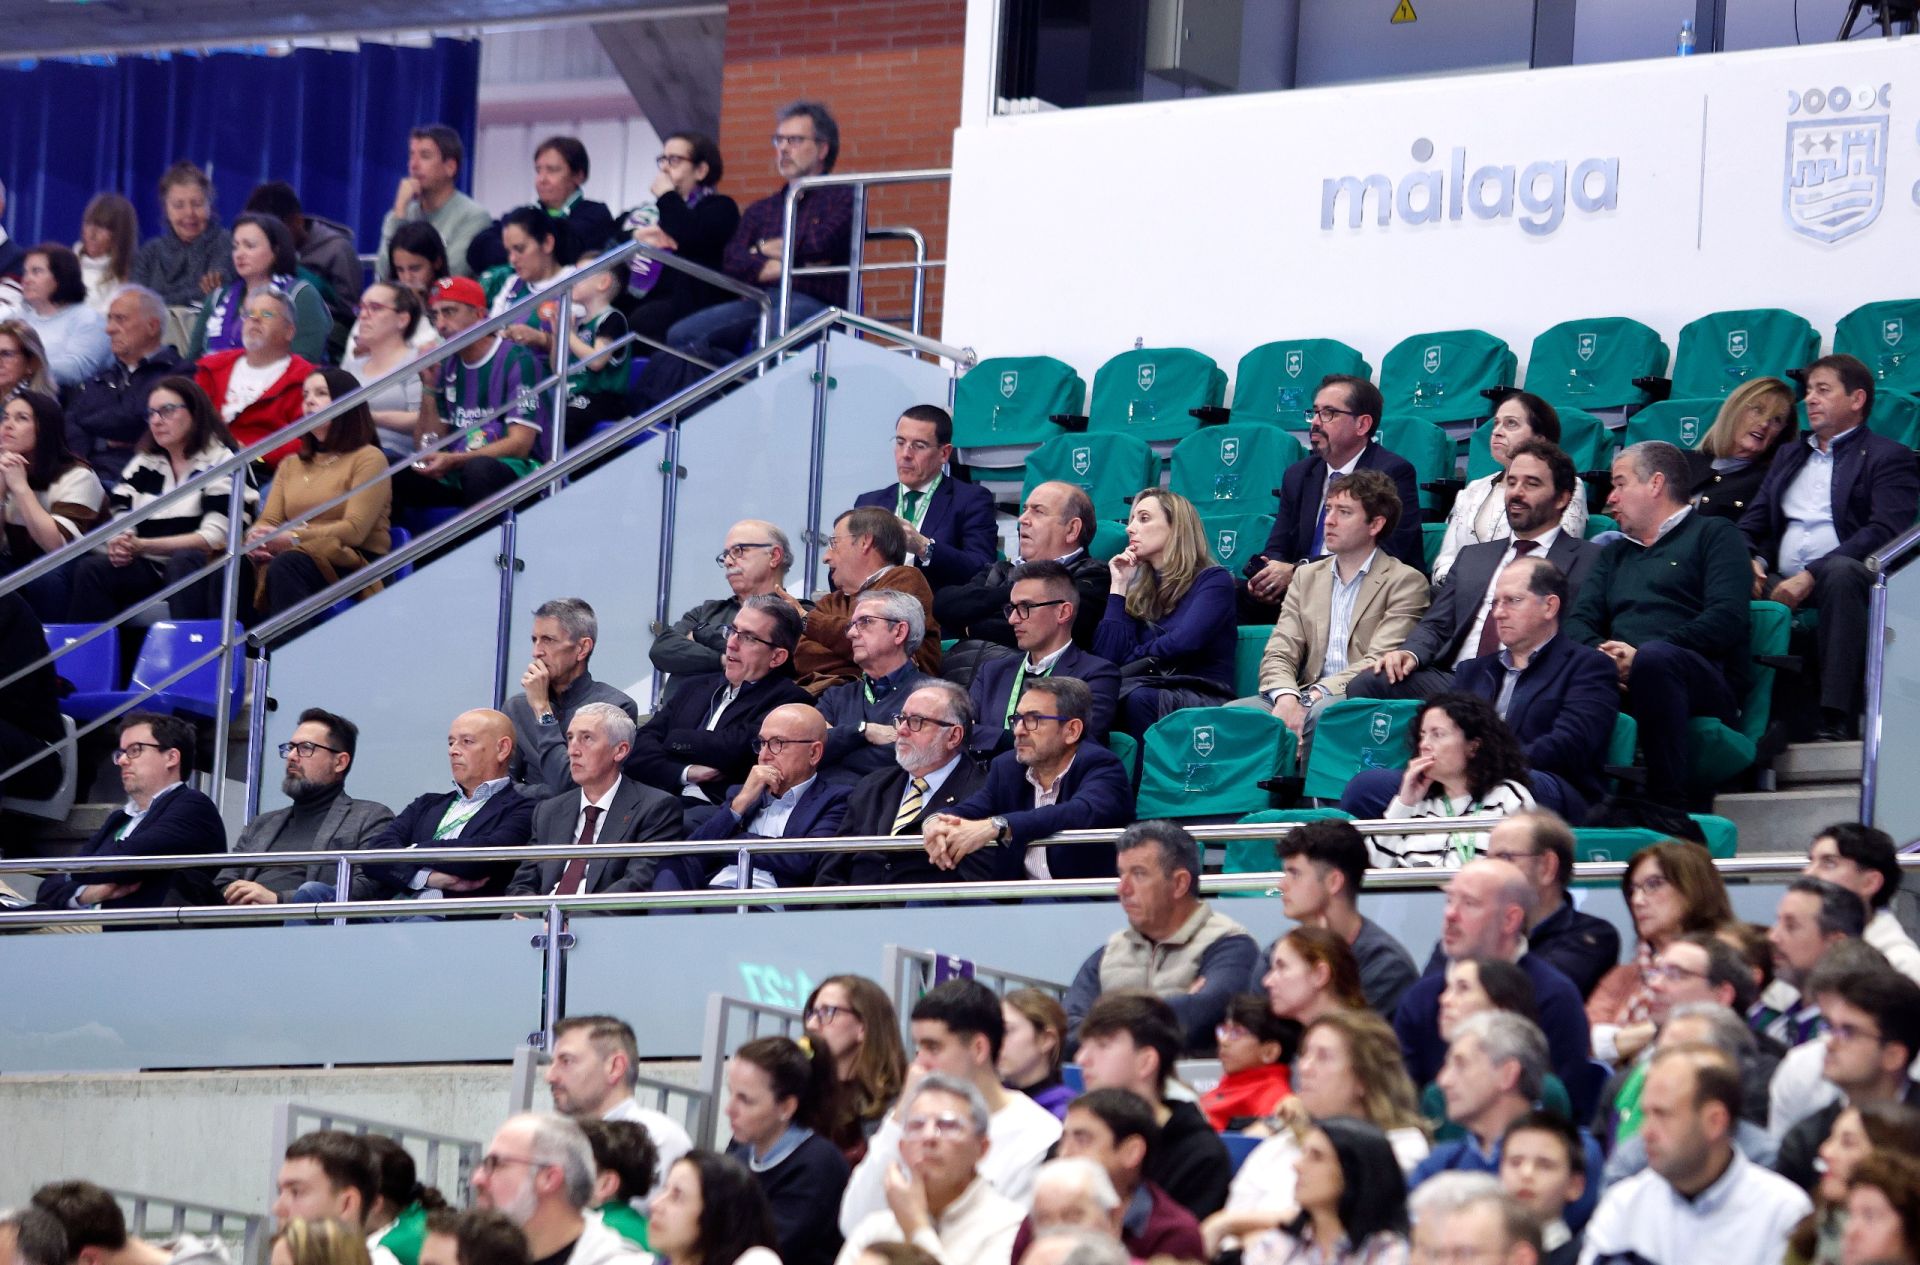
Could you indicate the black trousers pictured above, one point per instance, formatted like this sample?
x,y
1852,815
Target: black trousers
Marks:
x,y
39,779
472,482
102,590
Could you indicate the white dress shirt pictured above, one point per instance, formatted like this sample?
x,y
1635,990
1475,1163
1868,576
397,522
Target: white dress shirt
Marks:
x,y
1044,797
1807,503
1471,643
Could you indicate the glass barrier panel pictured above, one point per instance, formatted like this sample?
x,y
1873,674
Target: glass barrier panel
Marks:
x,y
1896,797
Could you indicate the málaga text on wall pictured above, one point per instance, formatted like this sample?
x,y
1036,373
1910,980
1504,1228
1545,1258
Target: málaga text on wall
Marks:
x,y
1541,191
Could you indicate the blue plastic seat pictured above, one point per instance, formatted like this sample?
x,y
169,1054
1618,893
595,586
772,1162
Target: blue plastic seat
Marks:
x,y
94,667
1239,1147
170,646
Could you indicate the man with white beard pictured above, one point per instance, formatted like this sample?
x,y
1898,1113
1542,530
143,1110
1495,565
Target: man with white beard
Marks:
x,y
538,1172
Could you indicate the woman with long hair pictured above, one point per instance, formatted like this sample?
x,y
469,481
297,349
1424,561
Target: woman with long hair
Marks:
x,y
856,1021
1726,468
386,338
1312,972
711,1211
109,239
780,1102
1465,762
74,335
1350,1203
401,1203
1170,615
1479,511
416,261
539,249
48,497
1476,986
23,362
1034,1047
1671,888
263,255
1857,1131
334,458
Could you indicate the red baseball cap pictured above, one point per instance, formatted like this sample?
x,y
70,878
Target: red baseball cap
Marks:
x,y
461,290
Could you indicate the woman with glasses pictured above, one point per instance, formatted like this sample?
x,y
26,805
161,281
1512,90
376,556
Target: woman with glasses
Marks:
x,y
263,255
48,497
385,338
336,458
1034,1045
23,362
1671,889
711,1211
780,1104
1479,512
185,437
1170,615
852,1017
688,218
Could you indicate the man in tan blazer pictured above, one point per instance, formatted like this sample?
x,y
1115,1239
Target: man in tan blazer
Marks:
x,y
1343,611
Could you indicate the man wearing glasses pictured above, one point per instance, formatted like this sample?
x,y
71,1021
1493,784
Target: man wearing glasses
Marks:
x,y
1341,427
162,817
1042,607
1052,780
866,554
322,817
949,525
538,1171
754,558
257,387
884,627
931,772
699,740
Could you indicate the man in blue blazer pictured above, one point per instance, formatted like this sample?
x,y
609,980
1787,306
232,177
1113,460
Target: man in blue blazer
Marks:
x,y
950,525
1052,780
1341,434
1824,508
783,797
162,817
1041,609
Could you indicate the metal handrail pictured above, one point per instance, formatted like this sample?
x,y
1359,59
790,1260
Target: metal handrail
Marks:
x,y
860,182
1894,554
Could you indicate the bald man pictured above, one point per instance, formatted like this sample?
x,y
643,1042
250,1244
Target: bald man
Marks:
x,y
754,558
783,798
1489,905
483,810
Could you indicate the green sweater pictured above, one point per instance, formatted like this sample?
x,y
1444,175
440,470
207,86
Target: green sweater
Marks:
x,y
1690,588
404,1237
625,1221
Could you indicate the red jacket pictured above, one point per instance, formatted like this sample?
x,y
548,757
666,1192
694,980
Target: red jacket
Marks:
x,y
279,406
1255,1091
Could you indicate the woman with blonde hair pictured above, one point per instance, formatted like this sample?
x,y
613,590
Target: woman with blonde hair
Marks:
x,y
23,362
854,1018
1031,1052
1727,466
321,1241
1170,615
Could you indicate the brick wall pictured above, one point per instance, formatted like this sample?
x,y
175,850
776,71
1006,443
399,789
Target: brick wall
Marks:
x,y
890,72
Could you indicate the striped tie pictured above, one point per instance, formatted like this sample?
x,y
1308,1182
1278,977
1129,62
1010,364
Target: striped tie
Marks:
x,y
910,806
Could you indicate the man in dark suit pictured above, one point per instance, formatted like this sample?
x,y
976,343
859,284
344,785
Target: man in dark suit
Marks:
x,y
322,817
1041,610
1459,623
1346,413
949,524
932,772
1825,507
162,817
783,797
860,713
1052,780
700,738
604,807
1055,526
482,811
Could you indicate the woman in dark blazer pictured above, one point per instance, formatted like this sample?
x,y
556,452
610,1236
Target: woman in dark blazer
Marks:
x,y
694,222
1737,451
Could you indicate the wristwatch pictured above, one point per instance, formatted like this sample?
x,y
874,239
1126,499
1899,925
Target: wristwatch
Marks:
x,y
548,718
1000,831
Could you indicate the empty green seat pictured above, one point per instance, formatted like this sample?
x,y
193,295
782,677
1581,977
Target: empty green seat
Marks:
x,y
1258,856
1274,384
1109,538
1717,751
1438,377
1723,837
1604,843
1250,646
1150,393
1721,350
1233,540
1597,523
1127,749
1680,422
1591,364
1583,437
1209,761
1427,448
1112,468
1884,336
1354,734
1895,415
1233,470
1009,400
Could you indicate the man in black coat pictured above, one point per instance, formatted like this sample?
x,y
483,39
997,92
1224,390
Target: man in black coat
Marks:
x,y
107,414
1056,525
1043,609
949,524
932,772
1825,507
162,817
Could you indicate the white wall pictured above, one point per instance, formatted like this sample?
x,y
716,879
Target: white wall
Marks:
x,y
1200,222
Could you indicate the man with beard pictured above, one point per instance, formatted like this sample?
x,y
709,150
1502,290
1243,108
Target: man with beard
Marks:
x,y
538,1171
322,816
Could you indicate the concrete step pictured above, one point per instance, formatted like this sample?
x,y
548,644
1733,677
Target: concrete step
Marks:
x,y
1786,821
1818,763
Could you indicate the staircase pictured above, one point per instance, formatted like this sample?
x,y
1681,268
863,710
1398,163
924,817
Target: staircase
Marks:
x,y
1818,784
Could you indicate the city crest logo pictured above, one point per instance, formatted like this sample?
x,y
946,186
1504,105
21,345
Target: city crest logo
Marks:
x,y
1432,360
1296,363
1203,740
1009,383
1893,330
1145,376
1835,179
1082,460
1736,343
1229,451
1227,544
1379,726
1585,345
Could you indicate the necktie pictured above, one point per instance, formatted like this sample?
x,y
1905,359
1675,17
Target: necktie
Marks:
x,y
913,503
1489,631
576,872
910,806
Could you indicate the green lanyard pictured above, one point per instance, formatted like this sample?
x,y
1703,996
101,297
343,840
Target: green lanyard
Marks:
x,y
926,499
1462,841
456,817
1020,685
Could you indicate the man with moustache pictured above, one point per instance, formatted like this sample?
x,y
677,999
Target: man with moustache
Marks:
x,y
755,558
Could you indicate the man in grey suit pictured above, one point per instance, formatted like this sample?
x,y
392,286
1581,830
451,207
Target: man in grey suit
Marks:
x,y
1458,625
606,807
322,817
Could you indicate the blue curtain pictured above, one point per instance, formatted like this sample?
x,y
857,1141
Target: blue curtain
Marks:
x,y
332,124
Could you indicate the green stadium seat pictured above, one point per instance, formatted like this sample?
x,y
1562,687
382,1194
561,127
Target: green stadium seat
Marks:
x,y
1896,415
1210,761
1680,422
1109,538
1602,843
1252,644
1622,742
1003,406
1234,540
1432,536
1354,734
1438,377
1592,364
1111,468
1233,470
1723,837
1721,350
1428,449
1717,752
1273,385
1884,336
1127,748
1597,523
1256,856
1150,393
1583,437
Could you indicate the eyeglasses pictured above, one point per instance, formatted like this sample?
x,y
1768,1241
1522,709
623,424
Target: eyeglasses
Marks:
x,y
738,553
368,305
1652,885
665,161
1513,601
947,1126
1320,414
263,314
1848,1032
1032,720
866,622
918,447
121,755
735,630
918,724
1025,610
1511,858
490,1164
1668,972
1226,1032
165,410
781,141
824,1015
774,746
306,749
